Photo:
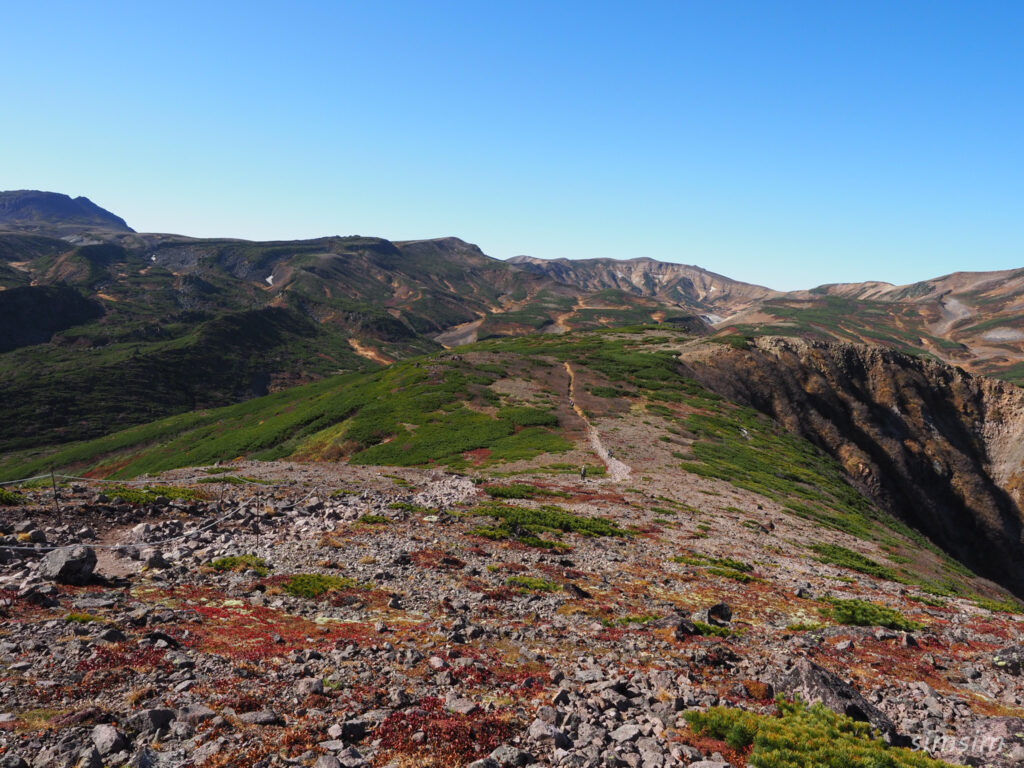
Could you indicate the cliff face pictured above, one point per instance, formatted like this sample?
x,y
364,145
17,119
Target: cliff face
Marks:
x,y
938,447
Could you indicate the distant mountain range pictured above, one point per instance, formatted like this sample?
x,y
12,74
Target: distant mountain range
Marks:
x,y
102,327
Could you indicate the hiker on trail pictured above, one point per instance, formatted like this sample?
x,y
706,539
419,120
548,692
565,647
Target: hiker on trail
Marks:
x,y
583,472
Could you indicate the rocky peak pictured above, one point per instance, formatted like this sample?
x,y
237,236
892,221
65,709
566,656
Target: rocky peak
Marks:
x,y
46,211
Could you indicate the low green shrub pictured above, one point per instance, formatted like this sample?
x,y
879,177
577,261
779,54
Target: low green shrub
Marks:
x,y
861,613
717,564
241,563
710,630
374,520
999,606
524,416
519,491
833,554
608,392
313,585
934,602
512,491
405,506
731,573
150,493
804,737
81,618
10,498
533,584
525,524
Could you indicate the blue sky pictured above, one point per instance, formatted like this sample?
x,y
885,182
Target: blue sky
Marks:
x,y
783,143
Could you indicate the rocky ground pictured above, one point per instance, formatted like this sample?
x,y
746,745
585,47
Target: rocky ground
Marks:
x,y
441,645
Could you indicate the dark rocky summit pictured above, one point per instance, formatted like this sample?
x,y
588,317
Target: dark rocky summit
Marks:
x,y
32,210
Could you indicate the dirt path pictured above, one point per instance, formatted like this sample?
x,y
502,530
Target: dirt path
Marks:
x,y
617,470
560,323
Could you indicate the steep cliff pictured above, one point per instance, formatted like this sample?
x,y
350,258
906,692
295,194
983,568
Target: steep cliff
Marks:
x,y
938,447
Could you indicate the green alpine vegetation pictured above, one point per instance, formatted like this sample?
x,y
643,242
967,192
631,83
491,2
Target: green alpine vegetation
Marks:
x,y
241,563
314,585
833,554
861,613
526,524
804,737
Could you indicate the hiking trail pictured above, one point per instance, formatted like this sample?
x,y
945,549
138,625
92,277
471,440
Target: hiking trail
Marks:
x,y
617,470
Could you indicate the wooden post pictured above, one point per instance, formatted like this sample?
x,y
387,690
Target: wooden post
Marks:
x,y
257,522
56,502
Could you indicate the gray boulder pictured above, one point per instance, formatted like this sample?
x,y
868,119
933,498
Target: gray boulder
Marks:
x,y
546,734
150,720
309,685
194,714
263,717
69,565
993,742
509,757
816,684
108,739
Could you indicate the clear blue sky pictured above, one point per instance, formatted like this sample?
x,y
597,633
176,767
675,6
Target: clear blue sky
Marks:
x,y
784,143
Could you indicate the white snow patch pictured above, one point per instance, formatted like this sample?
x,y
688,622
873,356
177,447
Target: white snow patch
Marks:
x,y
152,258
269,279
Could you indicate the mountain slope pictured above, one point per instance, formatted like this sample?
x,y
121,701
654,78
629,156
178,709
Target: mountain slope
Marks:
x,y
946,467
515,608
